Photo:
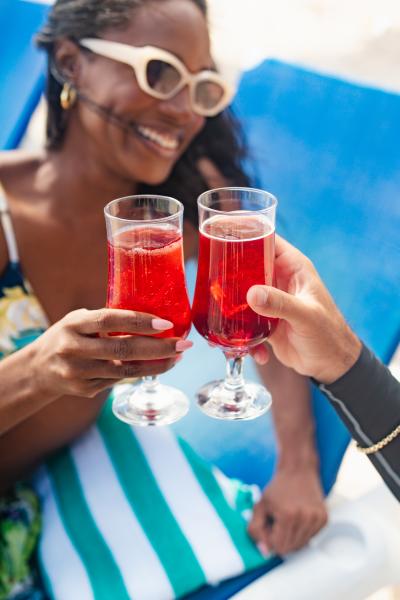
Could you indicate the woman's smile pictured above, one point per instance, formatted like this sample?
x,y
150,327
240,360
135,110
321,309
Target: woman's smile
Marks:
x,y
163,141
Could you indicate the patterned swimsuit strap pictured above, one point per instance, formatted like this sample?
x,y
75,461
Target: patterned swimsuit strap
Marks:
x,y
6,223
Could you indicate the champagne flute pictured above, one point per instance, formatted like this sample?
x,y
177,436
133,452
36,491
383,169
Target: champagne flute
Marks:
x,y
237,250
146,274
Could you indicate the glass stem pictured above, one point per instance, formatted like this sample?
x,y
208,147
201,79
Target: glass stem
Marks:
x,y
234,381
150,384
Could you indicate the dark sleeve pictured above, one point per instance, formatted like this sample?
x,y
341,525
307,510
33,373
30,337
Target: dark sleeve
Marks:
x,y
367,399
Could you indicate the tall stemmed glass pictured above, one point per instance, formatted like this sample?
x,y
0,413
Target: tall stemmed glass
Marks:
x,y
237,249
146,274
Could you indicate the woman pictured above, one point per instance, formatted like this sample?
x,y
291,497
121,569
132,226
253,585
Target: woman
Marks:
x,y
108,136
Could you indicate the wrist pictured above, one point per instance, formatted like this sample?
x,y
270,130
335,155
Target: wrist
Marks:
x,y
347,352
23,400
298,456
296,465
37,381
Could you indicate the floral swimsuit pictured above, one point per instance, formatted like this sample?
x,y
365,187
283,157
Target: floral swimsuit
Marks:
x,y
21,317
21,321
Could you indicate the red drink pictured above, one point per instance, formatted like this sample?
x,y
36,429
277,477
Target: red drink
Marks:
x,y
235,253
146,274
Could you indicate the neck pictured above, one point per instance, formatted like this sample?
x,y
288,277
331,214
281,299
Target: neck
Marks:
x,y
78,182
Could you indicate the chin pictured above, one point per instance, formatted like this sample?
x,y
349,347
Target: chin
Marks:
x,y
155,176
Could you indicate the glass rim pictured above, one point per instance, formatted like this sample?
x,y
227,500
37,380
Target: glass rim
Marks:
x,y
270,208
150,196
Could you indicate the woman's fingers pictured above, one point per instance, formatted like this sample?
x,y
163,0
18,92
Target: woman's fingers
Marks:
x,y
128,348
115,371
316,523
282,533
108,320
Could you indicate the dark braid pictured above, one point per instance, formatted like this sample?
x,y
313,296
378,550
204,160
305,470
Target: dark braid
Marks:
x,y
219,140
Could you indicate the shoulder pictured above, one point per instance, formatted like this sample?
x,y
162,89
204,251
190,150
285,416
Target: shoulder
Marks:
x,y
17,169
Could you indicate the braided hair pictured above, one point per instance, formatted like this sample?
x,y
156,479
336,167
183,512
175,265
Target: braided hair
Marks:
x,y
220,140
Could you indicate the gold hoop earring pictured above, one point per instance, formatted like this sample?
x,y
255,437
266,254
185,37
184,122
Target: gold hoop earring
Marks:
x,y
68,96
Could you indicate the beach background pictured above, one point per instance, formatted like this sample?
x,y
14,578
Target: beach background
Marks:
x,y
354,39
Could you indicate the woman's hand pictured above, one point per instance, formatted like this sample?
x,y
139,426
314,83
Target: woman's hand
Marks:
x,y
290,512
75,356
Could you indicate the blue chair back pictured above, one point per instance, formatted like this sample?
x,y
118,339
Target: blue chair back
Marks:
x,y
329,150
21,67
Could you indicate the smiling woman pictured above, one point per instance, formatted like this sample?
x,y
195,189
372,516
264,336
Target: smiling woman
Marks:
x,y
133,107
136,135
115,127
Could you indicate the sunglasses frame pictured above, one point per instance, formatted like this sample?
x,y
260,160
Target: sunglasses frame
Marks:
x,y
138,58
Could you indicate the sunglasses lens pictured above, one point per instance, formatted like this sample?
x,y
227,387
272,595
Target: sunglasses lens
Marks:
x,y
208,94
162,77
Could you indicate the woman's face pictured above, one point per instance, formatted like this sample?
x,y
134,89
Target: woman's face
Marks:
x,y
177,26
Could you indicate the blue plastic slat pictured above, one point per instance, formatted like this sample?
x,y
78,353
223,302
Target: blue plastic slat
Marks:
x,y
227,589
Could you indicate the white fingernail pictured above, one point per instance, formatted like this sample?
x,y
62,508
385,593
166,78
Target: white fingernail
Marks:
x,y
161,324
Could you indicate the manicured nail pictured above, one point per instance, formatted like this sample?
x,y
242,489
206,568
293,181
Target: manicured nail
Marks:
x,y
259,296
178,358
263,548
161,324
182,345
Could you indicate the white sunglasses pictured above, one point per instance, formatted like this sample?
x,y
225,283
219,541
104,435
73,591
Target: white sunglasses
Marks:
x,y
162,75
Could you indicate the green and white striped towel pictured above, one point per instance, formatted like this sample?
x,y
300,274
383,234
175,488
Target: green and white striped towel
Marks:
x,y
132,513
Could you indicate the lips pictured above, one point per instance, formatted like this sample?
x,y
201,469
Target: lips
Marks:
x,y
165,141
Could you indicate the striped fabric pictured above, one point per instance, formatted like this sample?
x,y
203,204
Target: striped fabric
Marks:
x,y
132,513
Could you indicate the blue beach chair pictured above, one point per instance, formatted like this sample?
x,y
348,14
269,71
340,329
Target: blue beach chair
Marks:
x,y
328,150
21,68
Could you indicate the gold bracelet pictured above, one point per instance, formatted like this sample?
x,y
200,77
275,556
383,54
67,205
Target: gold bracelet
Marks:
x,y
381,444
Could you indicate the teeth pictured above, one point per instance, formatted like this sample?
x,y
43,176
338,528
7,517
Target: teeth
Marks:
x,y
165,141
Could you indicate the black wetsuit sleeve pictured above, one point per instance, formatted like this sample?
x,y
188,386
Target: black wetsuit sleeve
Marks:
x,y
367,399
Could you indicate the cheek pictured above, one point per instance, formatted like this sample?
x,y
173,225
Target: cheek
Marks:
x,y
116,90
199,123
196,126
126,98
122,100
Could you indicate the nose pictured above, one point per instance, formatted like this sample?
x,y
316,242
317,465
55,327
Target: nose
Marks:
x,y
179,107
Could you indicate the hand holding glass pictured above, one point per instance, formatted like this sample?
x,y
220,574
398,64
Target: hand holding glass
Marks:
x,y
237,250
146,274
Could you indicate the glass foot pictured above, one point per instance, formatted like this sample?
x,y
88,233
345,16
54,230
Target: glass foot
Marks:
x,y
218,401
138,405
